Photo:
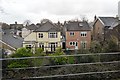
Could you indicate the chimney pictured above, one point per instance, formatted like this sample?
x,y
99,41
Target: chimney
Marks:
x,y
95,17
15,22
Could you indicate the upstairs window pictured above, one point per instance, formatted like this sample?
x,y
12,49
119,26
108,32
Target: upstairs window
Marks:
x,y
52,35
83,34
40,35
72,33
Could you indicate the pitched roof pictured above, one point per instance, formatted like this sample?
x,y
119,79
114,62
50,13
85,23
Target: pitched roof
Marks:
x,y
77,26
32,27
17,25
46,27
108,21
11,39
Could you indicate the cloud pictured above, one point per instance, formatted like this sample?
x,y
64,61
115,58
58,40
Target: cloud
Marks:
x,y
35,10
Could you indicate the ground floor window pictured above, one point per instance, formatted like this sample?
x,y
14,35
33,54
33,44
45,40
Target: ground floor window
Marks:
x,y
41,45
83,44
28,46
72,43
53,46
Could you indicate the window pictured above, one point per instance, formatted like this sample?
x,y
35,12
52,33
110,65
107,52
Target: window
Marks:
x,y
52,35
40,35
28,46
73,43
83,34
56,44
72,34
41,45
83,44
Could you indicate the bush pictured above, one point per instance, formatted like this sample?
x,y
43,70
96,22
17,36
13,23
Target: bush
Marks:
x,y
83,51
21,52
112,46
58,60
95,47
39,52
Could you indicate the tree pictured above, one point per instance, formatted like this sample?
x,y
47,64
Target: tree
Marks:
x,y
5,26
95,47
45,20
112,46
27,23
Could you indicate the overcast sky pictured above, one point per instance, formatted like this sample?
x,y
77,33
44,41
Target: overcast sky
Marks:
x,y
55,10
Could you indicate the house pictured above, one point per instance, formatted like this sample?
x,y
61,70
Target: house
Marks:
x,y
102,26
28,29
78,35
9,40
114,33
47,37
16,26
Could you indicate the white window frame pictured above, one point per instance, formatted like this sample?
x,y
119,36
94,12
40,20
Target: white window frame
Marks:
x,y
29,46
83,44
83,34
73,43
55,43
41,45
40,35
72,33
52,35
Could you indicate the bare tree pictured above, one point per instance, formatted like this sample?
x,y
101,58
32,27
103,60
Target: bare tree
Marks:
x,y
27,23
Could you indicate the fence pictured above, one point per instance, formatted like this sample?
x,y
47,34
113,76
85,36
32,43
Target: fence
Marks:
x,y
97,65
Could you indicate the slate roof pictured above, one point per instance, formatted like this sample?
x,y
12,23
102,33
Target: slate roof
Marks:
x,y
77,26
11,39
47,27
32,27
16,25
108,21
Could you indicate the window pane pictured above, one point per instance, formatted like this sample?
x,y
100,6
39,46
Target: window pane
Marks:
x,y
71,33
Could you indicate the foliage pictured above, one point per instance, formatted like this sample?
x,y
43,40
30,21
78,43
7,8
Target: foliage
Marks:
x,y
71,60
95,47
22,52
112,46
86,59
39,52
58,60
83,51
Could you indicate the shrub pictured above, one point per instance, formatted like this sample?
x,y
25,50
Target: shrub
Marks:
x,y
21,52
58,60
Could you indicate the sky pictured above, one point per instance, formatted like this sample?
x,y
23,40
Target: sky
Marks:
x,y
55,10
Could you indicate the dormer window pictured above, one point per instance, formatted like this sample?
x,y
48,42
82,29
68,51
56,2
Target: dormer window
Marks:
x,y
80,24
12,32
72,33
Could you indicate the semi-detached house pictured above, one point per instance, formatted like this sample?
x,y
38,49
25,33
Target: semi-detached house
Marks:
x,y
47,37
78,35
